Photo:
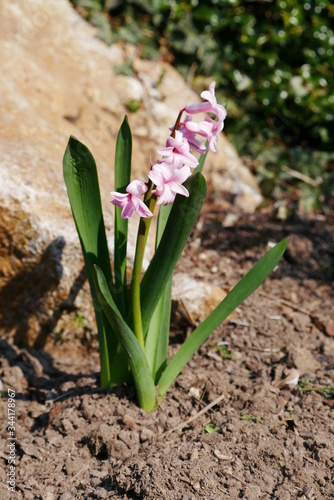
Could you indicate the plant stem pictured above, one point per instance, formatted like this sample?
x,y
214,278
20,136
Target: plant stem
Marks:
x,y
144,226
177,123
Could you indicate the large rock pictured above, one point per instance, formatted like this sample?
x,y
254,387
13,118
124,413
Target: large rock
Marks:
x,y
57,79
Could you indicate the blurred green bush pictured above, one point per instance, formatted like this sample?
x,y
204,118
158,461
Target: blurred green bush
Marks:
x,y
273,62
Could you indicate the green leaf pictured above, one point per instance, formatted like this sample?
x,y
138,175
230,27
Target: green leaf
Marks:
x,y
237,295
135,355
157,339
122,179
202,159
83,190
211,428
164,212
180,223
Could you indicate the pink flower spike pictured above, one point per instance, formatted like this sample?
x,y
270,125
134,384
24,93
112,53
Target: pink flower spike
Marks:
x,y
169,182
130,201
177,152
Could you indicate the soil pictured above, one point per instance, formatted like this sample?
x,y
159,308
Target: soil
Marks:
x,y
251,415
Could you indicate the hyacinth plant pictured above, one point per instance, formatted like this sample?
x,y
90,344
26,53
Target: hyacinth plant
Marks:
x,y
133,321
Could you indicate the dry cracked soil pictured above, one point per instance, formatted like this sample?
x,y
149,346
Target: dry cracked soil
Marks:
x,y
250,416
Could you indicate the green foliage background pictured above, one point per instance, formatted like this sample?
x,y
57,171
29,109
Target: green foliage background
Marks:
x,y
273,62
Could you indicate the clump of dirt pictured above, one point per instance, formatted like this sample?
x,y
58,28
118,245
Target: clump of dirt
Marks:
x,y
251,415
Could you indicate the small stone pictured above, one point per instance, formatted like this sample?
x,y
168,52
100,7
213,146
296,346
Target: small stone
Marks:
x,y
129,422
329,330
195,392
304,360
66,496
196,298
146,435
101,493
67,386
67,424
29,496
32,451
299,249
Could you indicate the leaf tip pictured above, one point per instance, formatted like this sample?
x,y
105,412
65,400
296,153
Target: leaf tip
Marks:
x,y
72,137
285,242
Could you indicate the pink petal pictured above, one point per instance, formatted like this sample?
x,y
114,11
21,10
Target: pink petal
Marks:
x,y
167,171
165,151
193,142
156,177
203,107
178,188
209,95
142,210
221,113
136,188
181,174
160,173
203,128
190,160
120,199
166,197
128,210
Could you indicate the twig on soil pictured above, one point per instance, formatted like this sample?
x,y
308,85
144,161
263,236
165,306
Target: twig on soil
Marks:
x,y
265,350
83,469
302,177
200,413
286,302
61,396
237,478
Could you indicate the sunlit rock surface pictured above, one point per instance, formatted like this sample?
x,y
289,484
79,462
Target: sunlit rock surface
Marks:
x,y
57,79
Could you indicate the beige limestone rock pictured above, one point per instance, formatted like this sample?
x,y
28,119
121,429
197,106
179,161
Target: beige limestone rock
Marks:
x,y
58,79
303,360
197,299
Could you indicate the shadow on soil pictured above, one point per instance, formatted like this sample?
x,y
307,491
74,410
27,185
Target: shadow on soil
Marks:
x,y
310,251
